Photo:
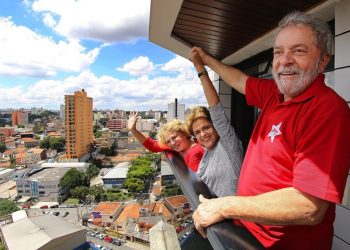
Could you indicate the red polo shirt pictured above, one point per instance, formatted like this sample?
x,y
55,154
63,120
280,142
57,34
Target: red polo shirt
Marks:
x,y
302,143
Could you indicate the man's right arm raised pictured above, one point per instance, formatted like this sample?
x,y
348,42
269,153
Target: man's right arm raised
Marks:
x,y
232,76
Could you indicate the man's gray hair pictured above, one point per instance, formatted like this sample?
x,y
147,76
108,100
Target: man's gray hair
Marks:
x,y
323,34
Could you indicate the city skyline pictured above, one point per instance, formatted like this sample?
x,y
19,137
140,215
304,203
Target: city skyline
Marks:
x,y
54,48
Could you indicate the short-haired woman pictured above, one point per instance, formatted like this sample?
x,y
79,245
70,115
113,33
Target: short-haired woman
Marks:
x,y
222,160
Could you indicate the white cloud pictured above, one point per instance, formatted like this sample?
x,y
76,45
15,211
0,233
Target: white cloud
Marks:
x,y
104,20
49,20
140,93
24,52
139,66
179,65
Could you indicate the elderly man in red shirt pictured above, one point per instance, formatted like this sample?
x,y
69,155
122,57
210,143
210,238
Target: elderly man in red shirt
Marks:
x,y
298,159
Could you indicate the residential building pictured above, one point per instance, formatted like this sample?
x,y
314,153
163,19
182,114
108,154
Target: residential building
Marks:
x,y
178,205
157,115
21,159
156,208
97,117
29,142
62,112
106,213
115,114
10,142
19,117
146,125
139,231
2,137
79,127
118,124
130,212
176,113
36,111
35,155
8,131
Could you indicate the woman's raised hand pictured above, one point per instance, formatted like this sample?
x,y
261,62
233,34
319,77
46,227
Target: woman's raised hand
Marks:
x,y
133,118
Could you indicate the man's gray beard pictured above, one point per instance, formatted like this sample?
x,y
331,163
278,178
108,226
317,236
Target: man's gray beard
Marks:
x,y
293,89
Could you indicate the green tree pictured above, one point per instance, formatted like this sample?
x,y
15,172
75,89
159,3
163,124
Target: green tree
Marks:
x,y
103,121
73,178
134,185
96,128
20,126
80,192
98,134
38,128
97,191
53,143
12,161
97,163
7,207
57,143
2,147
46,143
92,171
107,151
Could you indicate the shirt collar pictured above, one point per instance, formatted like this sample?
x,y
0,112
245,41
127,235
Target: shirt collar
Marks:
x,y
313,89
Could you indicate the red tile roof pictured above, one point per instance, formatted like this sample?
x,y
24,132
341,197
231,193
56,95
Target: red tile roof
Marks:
x,y
130,211
9,152
5,164
27,139
176,201
158,208
21,155
107,207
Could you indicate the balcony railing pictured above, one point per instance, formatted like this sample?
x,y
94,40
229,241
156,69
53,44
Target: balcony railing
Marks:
x,y
223,235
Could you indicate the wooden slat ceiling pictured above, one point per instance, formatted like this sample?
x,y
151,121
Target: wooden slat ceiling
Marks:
x,y
225,26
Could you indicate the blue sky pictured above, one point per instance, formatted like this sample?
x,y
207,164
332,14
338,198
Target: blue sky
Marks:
x,y
50,48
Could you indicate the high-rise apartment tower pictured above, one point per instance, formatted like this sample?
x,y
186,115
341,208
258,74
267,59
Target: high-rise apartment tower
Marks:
x,y
19,117
79,124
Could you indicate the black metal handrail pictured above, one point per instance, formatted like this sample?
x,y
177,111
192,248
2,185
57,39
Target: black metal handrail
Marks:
x,y
223,235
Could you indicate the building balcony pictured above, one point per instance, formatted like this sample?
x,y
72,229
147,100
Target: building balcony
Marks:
x,y
220,235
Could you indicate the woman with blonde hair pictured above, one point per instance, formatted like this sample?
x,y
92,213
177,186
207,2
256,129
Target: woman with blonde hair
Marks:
x,y
173,135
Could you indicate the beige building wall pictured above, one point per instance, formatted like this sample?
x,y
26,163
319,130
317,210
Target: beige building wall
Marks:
x,y
79,124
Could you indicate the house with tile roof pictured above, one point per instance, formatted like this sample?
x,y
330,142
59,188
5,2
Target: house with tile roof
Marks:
x,y
178,205
157,208
106,213
29,142
130,212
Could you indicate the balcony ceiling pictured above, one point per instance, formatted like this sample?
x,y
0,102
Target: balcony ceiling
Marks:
x,y
223,27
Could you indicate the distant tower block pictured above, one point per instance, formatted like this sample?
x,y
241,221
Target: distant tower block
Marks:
x,y
163,236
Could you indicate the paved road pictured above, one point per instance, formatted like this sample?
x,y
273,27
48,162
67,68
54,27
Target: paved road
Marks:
x,y
74,215
127,246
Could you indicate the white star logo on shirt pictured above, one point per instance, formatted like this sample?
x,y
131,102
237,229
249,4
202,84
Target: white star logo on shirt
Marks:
x,y
275,130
